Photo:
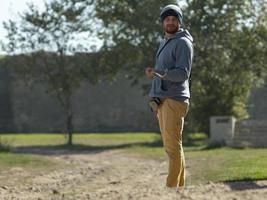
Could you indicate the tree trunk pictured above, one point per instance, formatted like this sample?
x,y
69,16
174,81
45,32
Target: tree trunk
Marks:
x,y
69,125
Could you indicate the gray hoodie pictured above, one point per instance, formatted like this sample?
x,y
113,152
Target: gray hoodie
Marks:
x,y
175,57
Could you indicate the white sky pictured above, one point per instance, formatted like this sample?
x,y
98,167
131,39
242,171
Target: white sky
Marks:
x,y
9,10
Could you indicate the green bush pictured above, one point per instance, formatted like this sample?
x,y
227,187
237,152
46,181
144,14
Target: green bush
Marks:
x,y
5,145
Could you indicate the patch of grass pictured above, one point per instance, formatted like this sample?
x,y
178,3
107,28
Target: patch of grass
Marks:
x,y
23,167
203,164
146,152
34,139
8,159
92,139
227,164
217,165
103,139
195,139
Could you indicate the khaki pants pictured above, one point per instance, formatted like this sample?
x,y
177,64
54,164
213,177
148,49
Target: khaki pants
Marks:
x,y
171,115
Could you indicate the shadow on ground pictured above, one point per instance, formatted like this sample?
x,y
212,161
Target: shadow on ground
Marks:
x,y
245,184
79,148
63,149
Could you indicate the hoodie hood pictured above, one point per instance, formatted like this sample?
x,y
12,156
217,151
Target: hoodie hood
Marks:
x,y
183,33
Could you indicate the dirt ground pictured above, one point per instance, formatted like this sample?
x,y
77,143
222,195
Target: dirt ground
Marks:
x,y
112,175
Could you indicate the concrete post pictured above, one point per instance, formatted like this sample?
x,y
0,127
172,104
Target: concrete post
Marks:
x,y
222,130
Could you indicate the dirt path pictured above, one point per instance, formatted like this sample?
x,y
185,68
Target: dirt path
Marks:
x,y
113,176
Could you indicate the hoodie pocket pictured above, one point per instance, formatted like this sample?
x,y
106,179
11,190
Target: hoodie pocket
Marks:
x,y
167,85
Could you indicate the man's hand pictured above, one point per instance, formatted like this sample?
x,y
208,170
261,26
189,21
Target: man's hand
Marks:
x,y
150,72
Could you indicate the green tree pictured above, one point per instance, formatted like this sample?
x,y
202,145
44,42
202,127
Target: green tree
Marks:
x,y
230,49
131,33
230,57
43,47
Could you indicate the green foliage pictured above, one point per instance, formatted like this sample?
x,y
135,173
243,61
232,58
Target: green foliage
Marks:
x,y
5,145
131,34
230,55
230,49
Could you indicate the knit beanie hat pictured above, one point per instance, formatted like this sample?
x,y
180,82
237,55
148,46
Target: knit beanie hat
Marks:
x,y
172,10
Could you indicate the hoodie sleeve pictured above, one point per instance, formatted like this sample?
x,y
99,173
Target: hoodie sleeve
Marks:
x,y
183,62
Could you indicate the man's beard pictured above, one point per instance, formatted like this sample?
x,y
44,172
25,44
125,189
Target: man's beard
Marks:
x,y
171,29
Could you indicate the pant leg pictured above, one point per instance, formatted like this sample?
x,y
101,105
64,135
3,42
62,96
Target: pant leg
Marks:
x,y
171,120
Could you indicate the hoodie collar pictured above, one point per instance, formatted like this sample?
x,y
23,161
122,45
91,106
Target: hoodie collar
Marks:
x,y
181,33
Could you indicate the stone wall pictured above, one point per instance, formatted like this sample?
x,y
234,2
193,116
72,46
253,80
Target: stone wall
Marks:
x,y
225,130
257,106
6,112
250,133
253,131
100,108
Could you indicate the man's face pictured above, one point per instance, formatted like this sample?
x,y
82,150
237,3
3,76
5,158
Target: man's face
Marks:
x,y
171,24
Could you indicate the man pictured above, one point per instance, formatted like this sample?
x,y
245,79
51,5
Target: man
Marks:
x,y
170,89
